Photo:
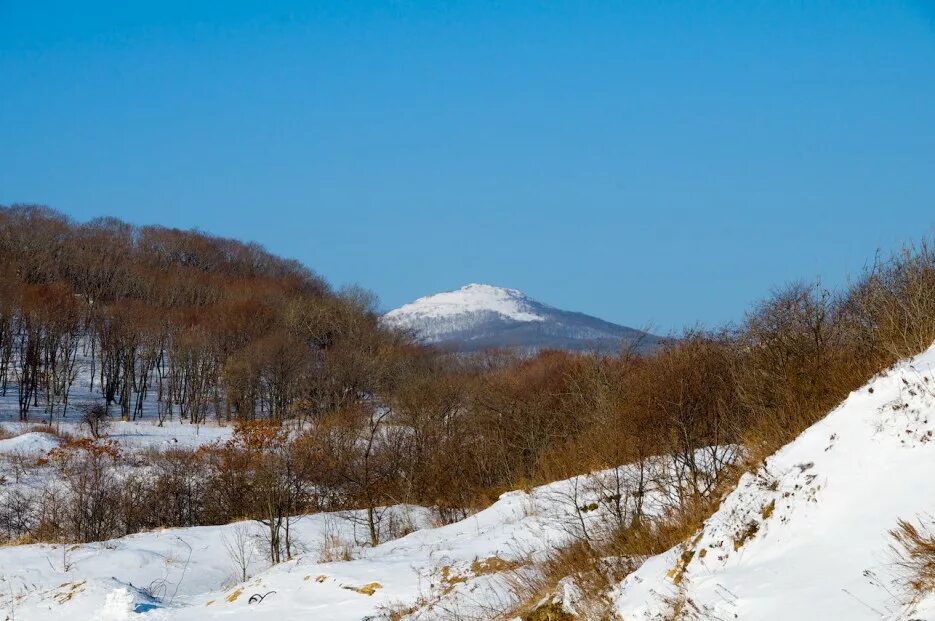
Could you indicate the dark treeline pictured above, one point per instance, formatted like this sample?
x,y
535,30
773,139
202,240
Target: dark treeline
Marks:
x,y
335,412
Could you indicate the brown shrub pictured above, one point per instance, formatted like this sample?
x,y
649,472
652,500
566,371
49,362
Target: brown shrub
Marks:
x,y
800,355
914,550
893,305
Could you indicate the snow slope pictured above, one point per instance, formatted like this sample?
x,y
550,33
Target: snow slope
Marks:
x,y
805,537
31,443
480,316
460,569
150,572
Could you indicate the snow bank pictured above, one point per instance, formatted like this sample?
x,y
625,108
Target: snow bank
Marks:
x,y
157,574
460,569
31,443
171,435
806,536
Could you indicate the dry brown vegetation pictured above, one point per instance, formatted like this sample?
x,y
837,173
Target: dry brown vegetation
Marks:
x,y
333,411
216,328
914,550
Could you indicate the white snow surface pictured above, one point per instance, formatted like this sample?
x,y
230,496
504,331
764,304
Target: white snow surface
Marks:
x,y
806,537
153,575
458,570
130,435
31,443
145,432
474,298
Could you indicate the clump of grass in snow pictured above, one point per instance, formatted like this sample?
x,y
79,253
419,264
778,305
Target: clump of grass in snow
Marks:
x,y
914,549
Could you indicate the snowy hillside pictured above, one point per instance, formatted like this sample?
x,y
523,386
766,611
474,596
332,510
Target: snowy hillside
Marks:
x,y
463,570
805,537
479,316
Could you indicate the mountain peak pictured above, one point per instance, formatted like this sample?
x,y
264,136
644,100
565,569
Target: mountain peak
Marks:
x,y
474,298
493,289
479,316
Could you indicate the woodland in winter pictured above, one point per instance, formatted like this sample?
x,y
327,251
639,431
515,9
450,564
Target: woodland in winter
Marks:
x,y
296,399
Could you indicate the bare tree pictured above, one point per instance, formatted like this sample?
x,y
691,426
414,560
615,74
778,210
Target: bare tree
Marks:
x,y
96,419
240,550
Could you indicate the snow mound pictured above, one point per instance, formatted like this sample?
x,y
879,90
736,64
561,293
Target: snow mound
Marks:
x,y
460,570
125,603
806,536
156,575
474,298
32,443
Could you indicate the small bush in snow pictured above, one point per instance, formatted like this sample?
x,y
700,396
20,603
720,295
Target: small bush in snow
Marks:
x,y
96,419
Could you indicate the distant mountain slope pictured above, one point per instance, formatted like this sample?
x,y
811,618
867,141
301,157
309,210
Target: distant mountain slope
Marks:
x,y
477,317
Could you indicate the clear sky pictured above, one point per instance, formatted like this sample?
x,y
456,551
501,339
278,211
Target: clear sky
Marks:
x,y
647,162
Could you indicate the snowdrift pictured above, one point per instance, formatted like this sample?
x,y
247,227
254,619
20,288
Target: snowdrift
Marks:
x,y
32,443
806,536
460,570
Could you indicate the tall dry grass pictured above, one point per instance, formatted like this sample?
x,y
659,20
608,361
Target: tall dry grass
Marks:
x,y
914,550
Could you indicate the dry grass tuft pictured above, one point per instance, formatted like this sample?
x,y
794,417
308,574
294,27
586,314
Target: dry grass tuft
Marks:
x,y
368,589
767,510
548,611
745,534
914,549
492,565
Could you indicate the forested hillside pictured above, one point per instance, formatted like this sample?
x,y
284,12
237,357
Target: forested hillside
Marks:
x,y
216,328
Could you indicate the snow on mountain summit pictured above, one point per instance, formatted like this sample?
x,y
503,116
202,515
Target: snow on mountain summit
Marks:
x,y
479,316
474,298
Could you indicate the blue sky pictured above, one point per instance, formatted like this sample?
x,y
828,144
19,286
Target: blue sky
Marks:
x,y
657,163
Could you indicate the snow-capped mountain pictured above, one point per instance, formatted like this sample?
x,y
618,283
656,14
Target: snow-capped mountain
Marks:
x,y
477,317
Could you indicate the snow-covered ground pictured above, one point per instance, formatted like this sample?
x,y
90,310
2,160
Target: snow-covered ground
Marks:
x,y
133,435
145,432
459,570
154,570
29,443
805,537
